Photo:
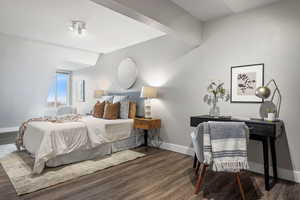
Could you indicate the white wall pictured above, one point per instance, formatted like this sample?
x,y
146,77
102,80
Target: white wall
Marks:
x,y
90,85
27,70
268,35
152,58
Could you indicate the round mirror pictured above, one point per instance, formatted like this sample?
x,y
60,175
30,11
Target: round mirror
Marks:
x,y
127,73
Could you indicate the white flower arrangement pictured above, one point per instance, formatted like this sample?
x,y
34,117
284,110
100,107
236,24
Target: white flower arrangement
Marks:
x,y
216,92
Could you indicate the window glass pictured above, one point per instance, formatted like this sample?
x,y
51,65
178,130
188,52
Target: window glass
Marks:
x,y
59,93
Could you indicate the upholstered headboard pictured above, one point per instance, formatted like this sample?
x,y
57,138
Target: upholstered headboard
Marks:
x,y
132,96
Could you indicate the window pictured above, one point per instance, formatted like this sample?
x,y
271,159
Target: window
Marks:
x,y
60,91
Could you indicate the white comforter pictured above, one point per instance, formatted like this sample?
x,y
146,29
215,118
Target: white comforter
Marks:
x,y
46,140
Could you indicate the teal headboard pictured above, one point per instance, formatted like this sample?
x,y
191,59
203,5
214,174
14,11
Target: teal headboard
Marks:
x,y
132,96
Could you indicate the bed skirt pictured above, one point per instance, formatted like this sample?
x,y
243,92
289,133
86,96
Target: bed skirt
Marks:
x,y
101,151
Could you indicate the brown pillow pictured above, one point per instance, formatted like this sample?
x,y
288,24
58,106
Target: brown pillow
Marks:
x,y
111,110
132,110
99,109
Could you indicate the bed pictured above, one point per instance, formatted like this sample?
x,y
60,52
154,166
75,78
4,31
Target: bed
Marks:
x,y
55,144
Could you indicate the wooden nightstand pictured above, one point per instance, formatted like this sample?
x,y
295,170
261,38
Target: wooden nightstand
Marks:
x,y
146,125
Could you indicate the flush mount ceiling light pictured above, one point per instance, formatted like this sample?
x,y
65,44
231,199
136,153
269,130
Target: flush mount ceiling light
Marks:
x,y
78,27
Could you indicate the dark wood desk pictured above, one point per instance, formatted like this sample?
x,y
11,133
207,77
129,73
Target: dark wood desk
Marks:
x,y
264,131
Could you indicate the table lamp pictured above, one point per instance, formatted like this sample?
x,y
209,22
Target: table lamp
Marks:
x,y
148,93
264,92
98,94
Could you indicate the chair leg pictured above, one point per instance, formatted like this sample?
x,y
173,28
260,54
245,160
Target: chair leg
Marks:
x,y
201,179
238,180
197,167
195,161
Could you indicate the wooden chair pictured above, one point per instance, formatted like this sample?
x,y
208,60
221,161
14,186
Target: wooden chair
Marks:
x,y
198,159
201,178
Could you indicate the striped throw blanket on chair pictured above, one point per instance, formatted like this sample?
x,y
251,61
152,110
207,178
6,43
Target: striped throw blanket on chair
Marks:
x,y
225,145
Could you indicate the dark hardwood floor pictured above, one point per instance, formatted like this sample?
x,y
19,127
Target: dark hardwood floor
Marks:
x,y
8,138
159,175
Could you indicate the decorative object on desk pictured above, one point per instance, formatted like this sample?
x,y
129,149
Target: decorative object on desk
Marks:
x,y
265,108
271,116
264,92
148,93
98,94
216,92
127,73
244,81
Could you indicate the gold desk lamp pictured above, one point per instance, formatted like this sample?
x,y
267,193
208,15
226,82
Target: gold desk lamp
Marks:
x,y
264,92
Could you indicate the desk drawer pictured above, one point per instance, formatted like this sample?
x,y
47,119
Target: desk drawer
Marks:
x,y
259,128
147,124
141,124
262,129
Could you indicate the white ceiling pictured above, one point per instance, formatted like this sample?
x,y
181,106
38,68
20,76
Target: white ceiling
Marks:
x,y
211,9
48,21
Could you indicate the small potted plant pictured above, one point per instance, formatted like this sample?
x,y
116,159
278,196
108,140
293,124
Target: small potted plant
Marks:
x,y
216,92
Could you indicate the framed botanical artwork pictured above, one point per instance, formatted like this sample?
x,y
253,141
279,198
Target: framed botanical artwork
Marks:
x,y
244,81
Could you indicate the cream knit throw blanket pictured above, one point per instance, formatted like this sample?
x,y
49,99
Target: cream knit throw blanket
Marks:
x,y
225,145
58,119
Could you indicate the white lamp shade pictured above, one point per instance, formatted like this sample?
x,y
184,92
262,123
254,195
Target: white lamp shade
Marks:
x,y
98,93
149,92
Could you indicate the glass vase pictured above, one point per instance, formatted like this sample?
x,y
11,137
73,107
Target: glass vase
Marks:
x,y
215,109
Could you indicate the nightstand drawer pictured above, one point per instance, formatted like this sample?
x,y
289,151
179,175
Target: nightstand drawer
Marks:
x,y
147,123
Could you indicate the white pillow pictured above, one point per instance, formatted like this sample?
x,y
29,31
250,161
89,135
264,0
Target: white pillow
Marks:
x,y
50,112
124,109
119,99
63,110
106,98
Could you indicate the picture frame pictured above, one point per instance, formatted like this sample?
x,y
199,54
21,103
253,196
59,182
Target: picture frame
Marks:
x,y
81,91
245,79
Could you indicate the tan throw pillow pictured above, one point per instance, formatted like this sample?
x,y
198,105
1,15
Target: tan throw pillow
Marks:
x,y
132,110
99,109
111,110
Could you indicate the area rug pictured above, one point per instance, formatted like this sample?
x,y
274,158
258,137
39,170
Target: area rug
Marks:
x,y
18,166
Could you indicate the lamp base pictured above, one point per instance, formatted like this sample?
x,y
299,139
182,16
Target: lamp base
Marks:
x,y
148,113
147,108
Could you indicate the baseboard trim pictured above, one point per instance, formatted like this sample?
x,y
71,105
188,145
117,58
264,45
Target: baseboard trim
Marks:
x,y
177,148
8,130
290,175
